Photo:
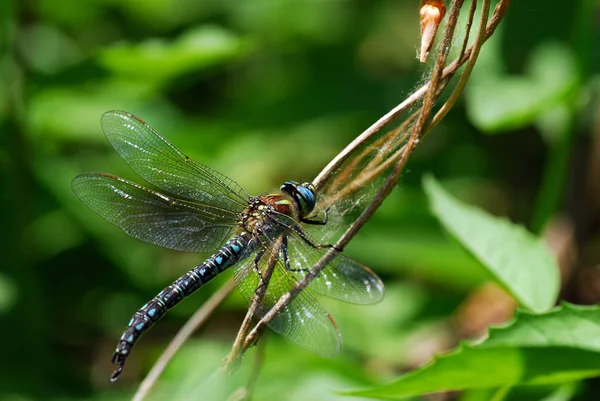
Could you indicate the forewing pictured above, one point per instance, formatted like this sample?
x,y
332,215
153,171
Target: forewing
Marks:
x,y
304,321
160,163
153,217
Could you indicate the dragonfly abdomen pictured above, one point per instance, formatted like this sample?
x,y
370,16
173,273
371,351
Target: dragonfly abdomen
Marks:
x,y
185,285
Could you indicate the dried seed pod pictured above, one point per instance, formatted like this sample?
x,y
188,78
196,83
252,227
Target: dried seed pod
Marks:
x,y
432,12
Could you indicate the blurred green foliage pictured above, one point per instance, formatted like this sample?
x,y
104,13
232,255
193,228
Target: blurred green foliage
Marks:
x,y
532,350
265,91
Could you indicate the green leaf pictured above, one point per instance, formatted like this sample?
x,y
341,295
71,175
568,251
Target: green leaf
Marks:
x,y
158,60
559,346
498,102
517,260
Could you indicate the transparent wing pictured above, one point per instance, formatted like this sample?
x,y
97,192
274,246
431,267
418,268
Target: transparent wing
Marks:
x,y
303,321
160,163
153,217
343,278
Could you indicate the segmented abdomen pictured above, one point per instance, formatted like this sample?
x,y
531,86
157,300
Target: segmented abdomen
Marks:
x,y
173,294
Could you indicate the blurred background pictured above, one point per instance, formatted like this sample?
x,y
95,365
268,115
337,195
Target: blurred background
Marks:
x,y
264,91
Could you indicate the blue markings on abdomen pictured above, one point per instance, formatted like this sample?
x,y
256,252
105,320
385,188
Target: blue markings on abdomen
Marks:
x,y
143,319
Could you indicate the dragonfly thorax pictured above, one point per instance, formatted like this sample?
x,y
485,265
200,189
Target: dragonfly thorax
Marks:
x,y
255,218
295,200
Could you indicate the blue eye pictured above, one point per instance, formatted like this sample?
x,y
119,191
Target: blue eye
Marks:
x,y
303,194
307,196
288,186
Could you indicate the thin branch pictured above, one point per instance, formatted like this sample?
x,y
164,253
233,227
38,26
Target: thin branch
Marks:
x,y
449,71
468,28
368,133
458,90
373,169
419,126
240,343
186,331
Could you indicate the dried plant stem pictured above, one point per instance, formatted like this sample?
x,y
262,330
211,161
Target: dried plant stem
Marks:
x,y
241,341
448,72
368,133
186,331
377,166
468,28
419,127
460,86
238,343
372,170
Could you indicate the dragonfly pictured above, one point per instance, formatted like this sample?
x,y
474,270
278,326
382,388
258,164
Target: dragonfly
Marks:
x,y
202,210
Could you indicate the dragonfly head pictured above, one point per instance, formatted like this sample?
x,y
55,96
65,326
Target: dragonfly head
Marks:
x,y
302,194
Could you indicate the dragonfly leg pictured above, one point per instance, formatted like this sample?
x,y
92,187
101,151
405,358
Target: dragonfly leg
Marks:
x,y
305,238
257,259
286,258
298,230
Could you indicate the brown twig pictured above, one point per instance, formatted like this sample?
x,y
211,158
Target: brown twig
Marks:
x,y
468,28
240,343
460,86
186,331
410,101
374,169
378,164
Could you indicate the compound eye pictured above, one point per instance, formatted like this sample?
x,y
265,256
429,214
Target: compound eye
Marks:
x,y
305,194
288,187
310,186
